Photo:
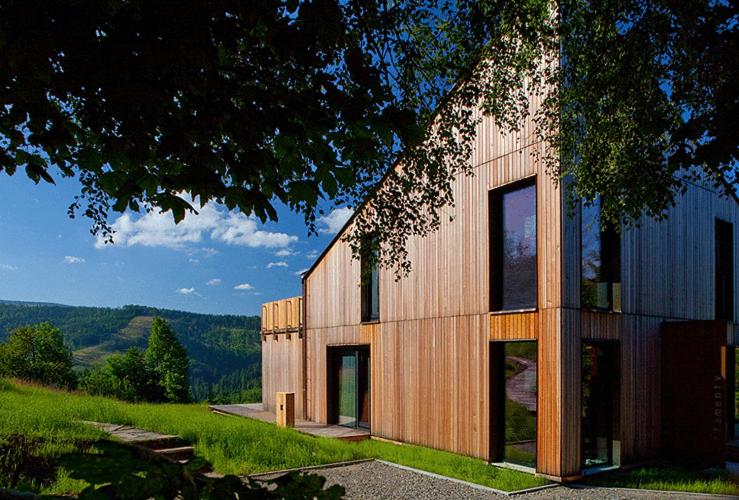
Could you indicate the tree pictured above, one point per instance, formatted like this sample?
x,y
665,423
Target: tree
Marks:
x,y
37,353
124,376
299,100
166,356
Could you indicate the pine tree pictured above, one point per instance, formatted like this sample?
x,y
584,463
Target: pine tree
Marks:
x,y
166,355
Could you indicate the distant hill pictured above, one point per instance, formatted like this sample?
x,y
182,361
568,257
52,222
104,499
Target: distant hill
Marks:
x,y
224,350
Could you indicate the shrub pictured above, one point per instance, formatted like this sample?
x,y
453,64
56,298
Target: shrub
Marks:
x,y
128,377
37,353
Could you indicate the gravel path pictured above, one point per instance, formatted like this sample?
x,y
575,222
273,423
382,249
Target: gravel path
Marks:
x,y
376,480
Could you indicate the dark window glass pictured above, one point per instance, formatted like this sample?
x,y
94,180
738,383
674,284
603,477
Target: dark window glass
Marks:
x,y
724,270
370,281
601,261
600,404
513,248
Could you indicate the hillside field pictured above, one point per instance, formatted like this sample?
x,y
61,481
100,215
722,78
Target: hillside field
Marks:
x,y
224,350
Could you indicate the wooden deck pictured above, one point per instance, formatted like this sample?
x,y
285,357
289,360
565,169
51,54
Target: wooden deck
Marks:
x,y
257,412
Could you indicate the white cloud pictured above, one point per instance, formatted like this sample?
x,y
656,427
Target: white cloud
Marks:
x,y
244,286
300,273
194,261
276,264
156,229
334,221
285,252
7,267
71,259
185,291
312,254
214,282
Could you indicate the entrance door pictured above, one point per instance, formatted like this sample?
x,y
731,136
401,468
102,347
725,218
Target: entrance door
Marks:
x,y
514,389
601,415
349,386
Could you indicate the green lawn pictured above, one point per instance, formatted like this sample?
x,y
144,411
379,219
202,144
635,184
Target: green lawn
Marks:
x,y
229,444
670,478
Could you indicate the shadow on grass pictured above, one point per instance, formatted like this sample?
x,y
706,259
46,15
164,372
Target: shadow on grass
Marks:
x,y
670,478
107,469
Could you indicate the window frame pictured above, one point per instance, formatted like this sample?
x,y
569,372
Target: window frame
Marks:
x,y
367,282
496,243
609,233
724,228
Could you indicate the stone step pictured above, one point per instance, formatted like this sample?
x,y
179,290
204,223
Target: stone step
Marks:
x,y
179,453
162,443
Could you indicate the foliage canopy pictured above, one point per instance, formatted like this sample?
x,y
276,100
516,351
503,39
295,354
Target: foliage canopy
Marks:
x,y
295,101
37,353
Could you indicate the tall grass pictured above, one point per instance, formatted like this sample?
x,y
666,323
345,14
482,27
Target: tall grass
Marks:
x,y
232,445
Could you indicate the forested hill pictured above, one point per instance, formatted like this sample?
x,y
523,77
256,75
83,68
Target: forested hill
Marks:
x,y
224,350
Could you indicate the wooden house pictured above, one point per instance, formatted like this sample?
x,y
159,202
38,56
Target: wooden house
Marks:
x,y
546,349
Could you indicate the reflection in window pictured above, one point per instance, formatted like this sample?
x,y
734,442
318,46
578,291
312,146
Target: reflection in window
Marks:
x,y
513,382
520,403
724,270
370,280
600,403
513,249
601,261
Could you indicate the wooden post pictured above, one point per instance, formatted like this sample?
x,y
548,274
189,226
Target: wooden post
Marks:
x,y
285,409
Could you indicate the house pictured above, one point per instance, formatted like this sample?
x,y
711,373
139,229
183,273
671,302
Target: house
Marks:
x,y
565,347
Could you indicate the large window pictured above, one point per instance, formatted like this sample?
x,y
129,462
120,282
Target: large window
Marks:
x,y
724,270
600,403
348,381
601,261
370,280
513,269
514,390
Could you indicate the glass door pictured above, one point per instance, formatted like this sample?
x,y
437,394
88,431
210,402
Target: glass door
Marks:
x,y
348,389
349,386
363,388
601,413
514,374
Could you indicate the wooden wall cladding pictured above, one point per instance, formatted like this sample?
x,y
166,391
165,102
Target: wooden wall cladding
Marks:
x,y
640,388
282,315
282,369
523,326
450,267
317,340
667,266
429,353
334,290
694,381
430,383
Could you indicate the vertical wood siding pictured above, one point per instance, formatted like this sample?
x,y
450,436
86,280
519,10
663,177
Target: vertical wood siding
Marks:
x,y
429,351
667,274
282,368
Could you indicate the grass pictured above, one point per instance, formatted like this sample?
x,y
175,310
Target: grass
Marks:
x,y
231,445
669,478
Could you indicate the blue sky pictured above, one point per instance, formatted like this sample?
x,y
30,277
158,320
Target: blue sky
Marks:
x,y
216,262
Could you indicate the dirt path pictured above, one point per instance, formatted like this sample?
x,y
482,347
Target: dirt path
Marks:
x,y
518,387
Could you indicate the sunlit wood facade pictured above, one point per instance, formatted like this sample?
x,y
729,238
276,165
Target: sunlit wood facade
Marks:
x,y
432,351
